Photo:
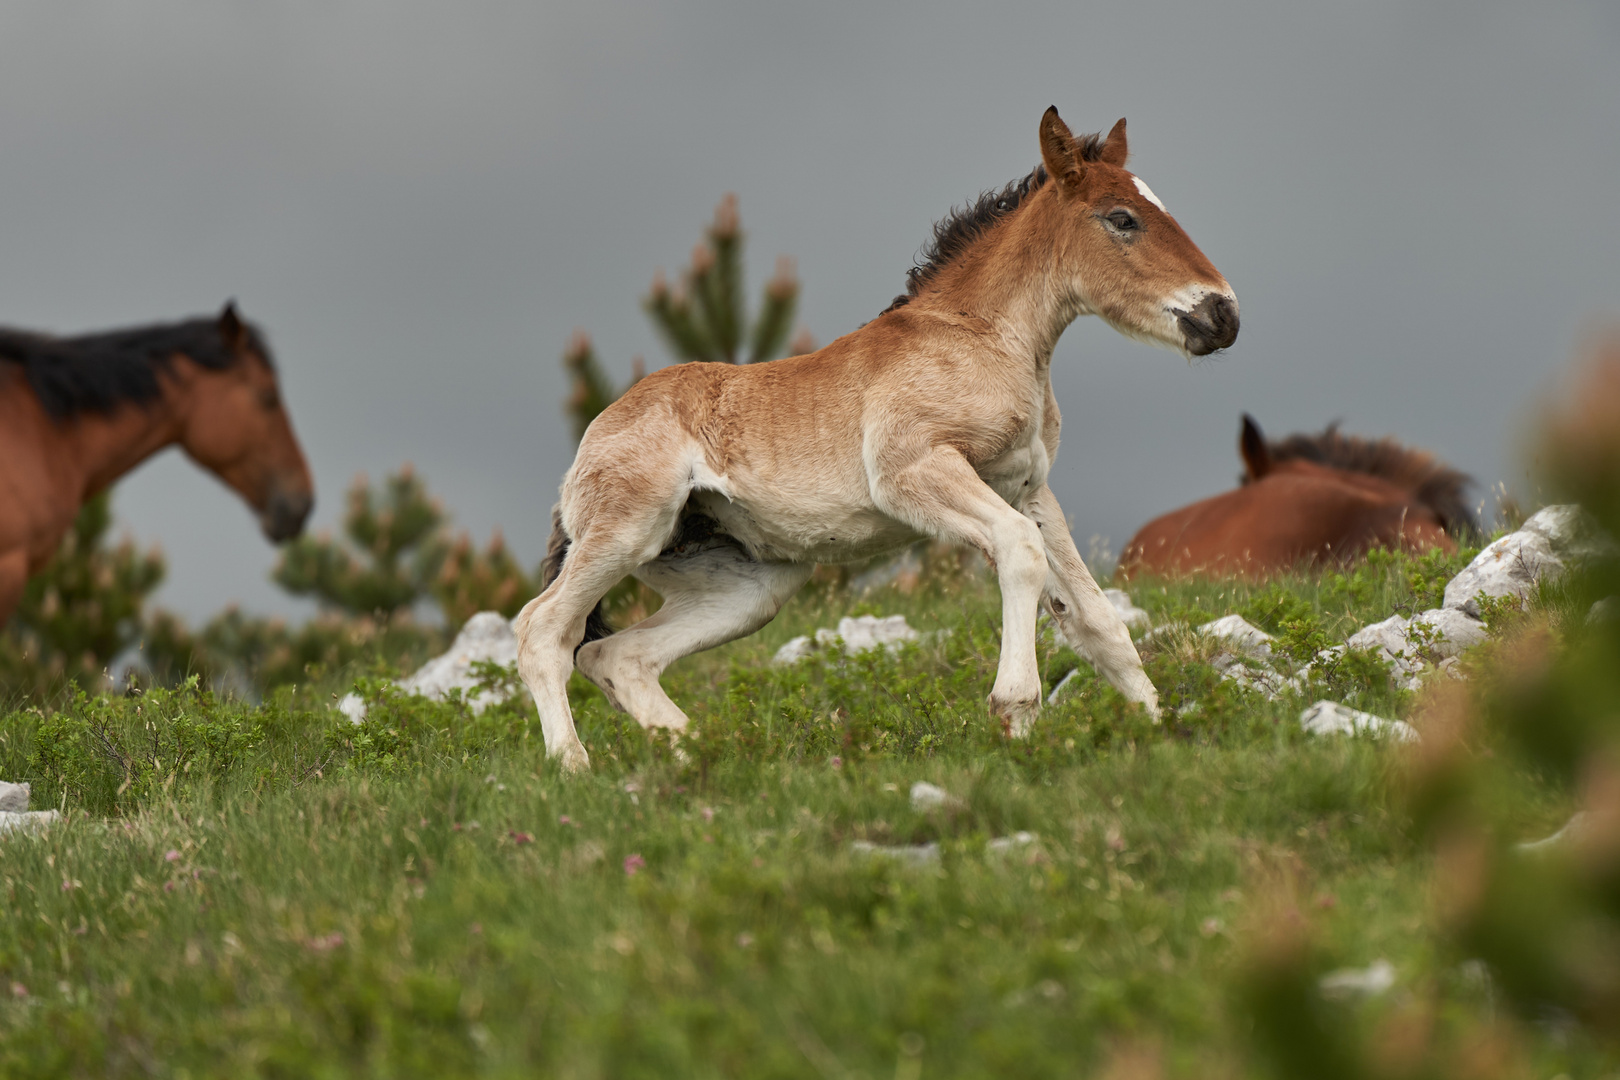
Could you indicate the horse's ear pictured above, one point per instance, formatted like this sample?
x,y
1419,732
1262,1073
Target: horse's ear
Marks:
x,y
1115,149
1256,454
231,327
1057,151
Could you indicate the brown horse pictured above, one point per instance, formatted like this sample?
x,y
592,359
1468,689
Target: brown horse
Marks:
x,y
1308,500
76,413
722,486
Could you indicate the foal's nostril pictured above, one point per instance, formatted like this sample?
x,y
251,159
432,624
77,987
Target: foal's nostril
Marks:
x,y
1212,324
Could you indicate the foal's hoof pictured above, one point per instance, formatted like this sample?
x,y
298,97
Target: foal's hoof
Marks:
x,y
574,759
1017,717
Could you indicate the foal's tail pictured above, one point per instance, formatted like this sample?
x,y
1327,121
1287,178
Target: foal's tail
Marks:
x,y
596,624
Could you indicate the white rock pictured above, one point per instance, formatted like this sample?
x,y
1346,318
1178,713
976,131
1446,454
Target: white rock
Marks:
x,y
1572,830
1238,632
1606,610
915,854
13,797
27,821
1003,844
857,635
1510,566
1051,699
1456,628
1331,718
487,636
1135,618
800,648
869,632
353,706
1370,981
926,796
1573,534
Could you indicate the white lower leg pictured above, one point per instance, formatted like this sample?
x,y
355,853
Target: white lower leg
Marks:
x,y
1021,569
545,660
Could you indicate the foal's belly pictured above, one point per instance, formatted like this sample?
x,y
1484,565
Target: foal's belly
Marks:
x,y
784,530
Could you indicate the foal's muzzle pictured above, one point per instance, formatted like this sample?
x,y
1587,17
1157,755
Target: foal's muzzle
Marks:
x,y
284,515
1211,324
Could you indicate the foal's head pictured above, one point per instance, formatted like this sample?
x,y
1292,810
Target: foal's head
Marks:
x,y
237,427
1132,263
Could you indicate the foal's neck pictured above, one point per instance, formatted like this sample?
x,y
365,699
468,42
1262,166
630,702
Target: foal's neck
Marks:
x,y
1010,278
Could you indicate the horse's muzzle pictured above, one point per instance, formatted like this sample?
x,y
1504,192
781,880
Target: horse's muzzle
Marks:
x,y
284,515
1212,324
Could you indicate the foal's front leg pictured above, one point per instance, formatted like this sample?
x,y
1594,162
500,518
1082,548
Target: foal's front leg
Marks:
x,y
938,493
1089,622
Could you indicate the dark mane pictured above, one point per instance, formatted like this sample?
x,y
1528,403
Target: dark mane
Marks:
x,y
98,372
955,234
1434,484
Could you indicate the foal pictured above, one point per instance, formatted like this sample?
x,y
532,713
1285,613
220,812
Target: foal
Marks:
x,y
721,487
76,413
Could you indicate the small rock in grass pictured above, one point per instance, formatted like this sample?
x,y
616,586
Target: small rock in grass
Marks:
x,y
1576,827
1606,610
1003,844
1135,618
857,635
1370,981
14,797
1242,635
926,796
800,648
1051,699
1331,718
28,821
915,854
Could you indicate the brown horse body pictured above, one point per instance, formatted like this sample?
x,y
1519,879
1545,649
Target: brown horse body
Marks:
x,y
1308,500
77,413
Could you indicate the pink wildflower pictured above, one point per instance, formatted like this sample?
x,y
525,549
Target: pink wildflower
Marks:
x,y
171,855
520,838
634,864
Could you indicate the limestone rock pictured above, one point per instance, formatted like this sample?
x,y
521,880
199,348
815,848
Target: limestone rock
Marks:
x,y
487,636
926,797
1242,635
1510,566
858,635
1135,618
1370,981
1574,829
13,798
1331,718
914,854
27,821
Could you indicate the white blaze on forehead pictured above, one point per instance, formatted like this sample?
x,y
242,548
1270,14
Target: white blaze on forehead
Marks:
x,y
1147,193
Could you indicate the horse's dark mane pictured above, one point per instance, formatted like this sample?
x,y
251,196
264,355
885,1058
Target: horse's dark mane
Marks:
x,y
1434,484
98,372
956,233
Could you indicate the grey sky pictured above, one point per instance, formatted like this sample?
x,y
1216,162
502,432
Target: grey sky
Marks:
x,y
1416,204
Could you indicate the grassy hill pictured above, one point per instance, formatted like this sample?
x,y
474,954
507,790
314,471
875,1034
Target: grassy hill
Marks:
x,y
268,890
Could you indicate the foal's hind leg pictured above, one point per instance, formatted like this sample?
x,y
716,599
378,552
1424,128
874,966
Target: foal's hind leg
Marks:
x,y
609,545
1089,622
711,596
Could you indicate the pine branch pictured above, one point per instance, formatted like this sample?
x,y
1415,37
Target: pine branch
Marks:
x,y
775,313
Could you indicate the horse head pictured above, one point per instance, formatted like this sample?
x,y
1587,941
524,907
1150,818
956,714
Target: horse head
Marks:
x,y
238,428
1130,261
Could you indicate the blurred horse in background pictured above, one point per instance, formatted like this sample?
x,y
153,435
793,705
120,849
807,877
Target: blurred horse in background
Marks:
x,y
76,413
1309,500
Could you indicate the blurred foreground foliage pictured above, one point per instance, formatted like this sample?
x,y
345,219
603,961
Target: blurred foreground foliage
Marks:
x,y
1527,928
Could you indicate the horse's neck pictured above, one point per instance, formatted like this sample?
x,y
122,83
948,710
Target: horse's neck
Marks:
x,y
1011,280
102,447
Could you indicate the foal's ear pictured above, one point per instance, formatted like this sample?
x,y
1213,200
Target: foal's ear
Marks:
x,y
1058,153
1115,149
231,327
1256,454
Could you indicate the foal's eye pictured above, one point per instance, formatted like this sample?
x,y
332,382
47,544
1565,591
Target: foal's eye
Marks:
x,y
1122,219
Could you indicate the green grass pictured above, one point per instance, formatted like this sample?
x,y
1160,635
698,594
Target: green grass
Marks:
x,y
268,891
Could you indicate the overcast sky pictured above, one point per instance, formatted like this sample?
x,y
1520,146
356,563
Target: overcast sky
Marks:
x,y
1416,204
